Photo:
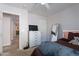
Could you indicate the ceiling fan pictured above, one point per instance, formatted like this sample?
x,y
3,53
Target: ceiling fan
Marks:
x,y
46,5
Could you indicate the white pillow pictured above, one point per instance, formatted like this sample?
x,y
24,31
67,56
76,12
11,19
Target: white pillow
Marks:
x,y
75,41
76,38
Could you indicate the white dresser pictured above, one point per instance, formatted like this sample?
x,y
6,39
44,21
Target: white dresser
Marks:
x,y
34,38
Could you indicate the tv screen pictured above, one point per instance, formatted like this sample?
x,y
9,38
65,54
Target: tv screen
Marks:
x,y
33,28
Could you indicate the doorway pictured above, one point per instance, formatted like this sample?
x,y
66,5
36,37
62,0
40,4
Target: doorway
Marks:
x,y
10,33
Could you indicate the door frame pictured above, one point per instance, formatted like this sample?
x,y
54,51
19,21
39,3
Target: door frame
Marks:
x,y
23,22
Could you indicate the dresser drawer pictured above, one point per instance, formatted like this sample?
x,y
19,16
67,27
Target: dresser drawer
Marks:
x,y
34,38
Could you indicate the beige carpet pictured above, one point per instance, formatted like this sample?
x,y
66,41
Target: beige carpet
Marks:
x,y
17,52
13,49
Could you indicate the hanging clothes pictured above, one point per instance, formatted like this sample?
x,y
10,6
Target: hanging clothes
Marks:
x,y
54,32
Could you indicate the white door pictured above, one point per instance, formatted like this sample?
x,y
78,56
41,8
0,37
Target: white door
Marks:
x,y
1,32
6,31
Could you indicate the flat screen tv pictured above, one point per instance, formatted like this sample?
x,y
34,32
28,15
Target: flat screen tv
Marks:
x,y
33,28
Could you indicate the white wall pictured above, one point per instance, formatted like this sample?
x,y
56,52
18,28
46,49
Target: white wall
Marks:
x,y
23,22
41,21
1,32
9,28
6,30
12,28
69,19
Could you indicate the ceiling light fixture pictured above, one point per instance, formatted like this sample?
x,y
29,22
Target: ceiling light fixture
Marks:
x,y
43,3
46,5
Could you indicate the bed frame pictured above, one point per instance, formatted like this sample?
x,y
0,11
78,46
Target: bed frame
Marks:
x,y
37,52
62,41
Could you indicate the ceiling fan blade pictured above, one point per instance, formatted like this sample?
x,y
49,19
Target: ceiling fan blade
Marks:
x,y
47,6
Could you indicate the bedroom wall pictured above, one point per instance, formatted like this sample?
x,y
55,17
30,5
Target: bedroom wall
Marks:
x,y
13,27
41,21
68,18
1,22
9,29
6,30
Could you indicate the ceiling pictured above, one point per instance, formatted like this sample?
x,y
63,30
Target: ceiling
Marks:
x,y
42,9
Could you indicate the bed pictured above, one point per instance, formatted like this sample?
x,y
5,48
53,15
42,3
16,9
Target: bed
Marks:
x,y
62,47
